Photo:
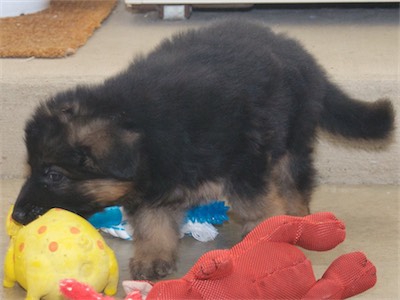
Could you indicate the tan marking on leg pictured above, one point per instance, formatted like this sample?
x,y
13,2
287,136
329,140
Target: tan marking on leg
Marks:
x,y
156,239
251,212
283,188
209,190
280,198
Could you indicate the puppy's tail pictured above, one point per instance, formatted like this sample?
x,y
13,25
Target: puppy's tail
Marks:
x,y
355,119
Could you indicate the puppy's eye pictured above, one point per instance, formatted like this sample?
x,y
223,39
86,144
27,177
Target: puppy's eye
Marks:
x,y
54,176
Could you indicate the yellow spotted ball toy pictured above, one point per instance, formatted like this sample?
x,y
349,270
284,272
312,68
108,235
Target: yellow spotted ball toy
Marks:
x,y
56,246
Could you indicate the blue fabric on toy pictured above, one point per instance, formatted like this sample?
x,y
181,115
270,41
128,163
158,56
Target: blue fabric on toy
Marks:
x,y
110,216
198,222
112,220
213,213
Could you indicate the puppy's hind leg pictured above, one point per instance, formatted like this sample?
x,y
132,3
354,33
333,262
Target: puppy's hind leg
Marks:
x,y
286,192
251,211
156,238
291,183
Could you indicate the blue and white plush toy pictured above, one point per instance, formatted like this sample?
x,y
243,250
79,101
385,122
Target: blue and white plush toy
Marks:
x,y
113,221
199,221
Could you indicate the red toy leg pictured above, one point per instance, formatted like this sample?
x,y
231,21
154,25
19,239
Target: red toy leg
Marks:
x,y
348,275
320,232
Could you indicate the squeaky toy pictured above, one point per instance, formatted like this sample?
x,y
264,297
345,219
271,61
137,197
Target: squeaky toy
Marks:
x,y
58,245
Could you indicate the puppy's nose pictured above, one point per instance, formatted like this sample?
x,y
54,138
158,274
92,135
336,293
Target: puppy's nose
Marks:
x,y
20,217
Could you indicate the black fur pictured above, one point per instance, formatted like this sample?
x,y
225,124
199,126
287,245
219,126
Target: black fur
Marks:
x,y
231,105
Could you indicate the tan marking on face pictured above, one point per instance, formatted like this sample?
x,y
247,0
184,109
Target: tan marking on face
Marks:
x,y
105,191
96,135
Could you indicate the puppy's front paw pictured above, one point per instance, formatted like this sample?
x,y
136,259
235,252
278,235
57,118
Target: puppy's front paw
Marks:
x,y
150,269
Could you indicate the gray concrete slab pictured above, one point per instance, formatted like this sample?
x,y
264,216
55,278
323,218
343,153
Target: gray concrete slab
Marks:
x,y
369,212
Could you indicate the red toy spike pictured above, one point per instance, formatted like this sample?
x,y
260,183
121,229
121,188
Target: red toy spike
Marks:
x,y
75,290
134,296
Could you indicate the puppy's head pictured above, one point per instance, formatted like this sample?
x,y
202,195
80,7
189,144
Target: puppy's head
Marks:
x,y
82,158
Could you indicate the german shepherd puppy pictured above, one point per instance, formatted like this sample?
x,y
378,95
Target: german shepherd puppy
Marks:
x,y
228,111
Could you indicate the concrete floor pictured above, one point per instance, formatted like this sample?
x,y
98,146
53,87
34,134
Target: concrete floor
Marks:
x,y
369,212
359,48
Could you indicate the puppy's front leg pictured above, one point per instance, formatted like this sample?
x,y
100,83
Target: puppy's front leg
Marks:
x,y
156,237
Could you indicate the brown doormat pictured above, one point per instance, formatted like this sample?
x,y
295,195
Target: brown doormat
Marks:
x,y
55,32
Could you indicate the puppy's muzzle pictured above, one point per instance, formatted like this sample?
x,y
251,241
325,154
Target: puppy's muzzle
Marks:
x,y
26,211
